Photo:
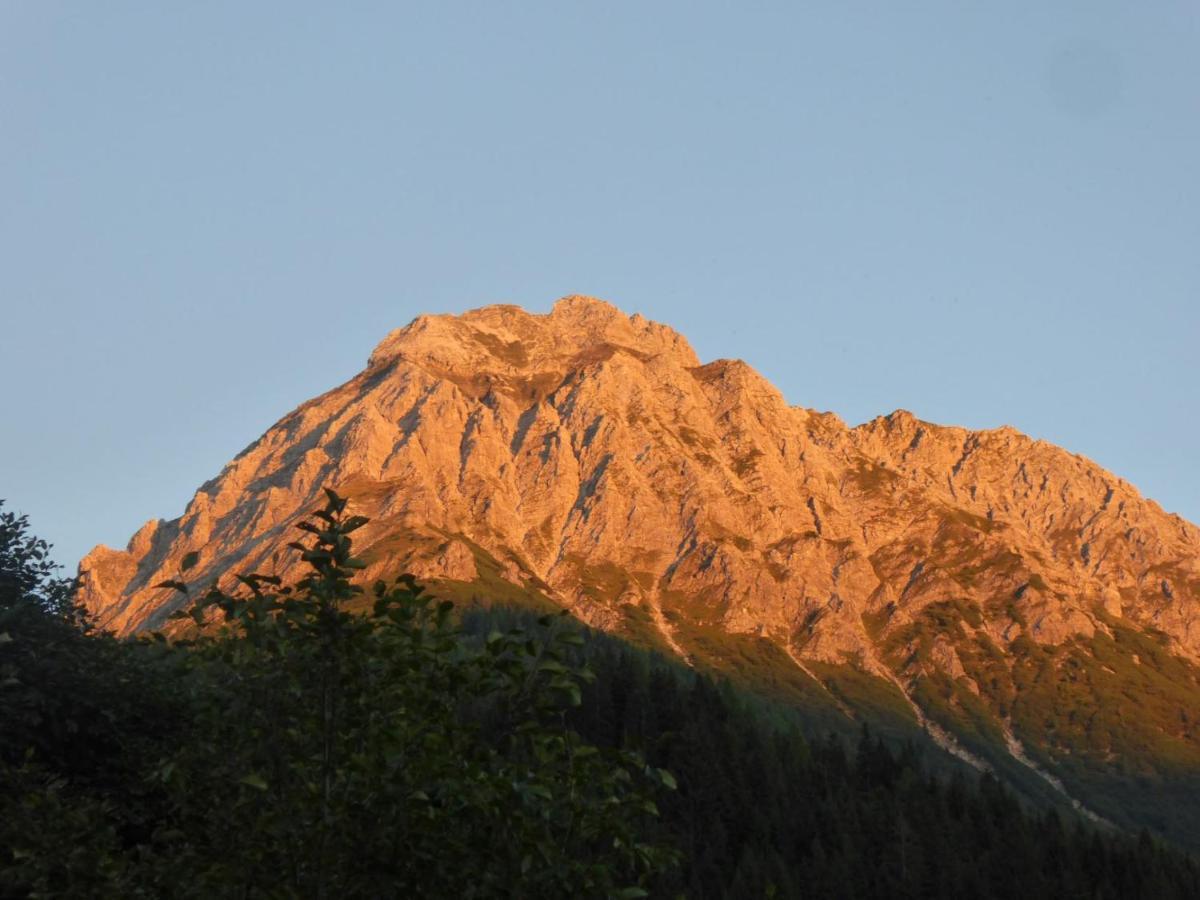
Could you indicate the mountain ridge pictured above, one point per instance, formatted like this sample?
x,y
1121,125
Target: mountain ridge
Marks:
x,y
590,459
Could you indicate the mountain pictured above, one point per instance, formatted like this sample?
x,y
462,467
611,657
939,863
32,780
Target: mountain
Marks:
x,y
1027,610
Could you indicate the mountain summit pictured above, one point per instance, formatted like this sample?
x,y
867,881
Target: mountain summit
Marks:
x,y
1027,609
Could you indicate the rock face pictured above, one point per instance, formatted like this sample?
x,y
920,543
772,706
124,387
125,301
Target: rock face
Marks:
x,y
589,457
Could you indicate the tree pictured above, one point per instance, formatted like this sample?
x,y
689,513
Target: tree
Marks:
x,y
80,714
311,749
381,752
27,574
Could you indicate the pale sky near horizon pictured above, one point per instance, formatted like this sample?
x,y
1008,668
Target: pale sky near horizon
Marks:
x,y
985,213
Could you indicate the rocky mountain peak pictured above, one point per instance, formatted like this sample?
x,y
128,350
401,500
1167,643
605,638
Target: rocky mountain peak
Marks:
x,y
505,339
587,458
584,436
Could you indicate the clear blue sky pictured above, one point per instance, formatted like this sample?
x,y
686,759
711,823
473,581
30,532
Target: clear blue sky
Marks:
x,y
984,213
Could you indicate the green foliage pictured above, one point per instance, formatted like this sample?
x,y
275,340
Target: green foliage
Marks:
x,y
308,751
27,574
80,717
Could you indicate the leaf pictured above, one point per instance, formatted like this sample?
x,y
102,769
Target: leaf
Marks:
x,y
667,779
568,687
175,585
189,560
254,780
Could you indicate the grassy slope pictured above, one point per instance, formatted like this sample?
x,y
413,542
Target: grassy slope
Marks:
x,y
1114,717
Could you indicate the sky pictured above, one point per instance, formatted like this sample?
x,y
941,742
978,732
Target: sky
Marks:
x,y
984,213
